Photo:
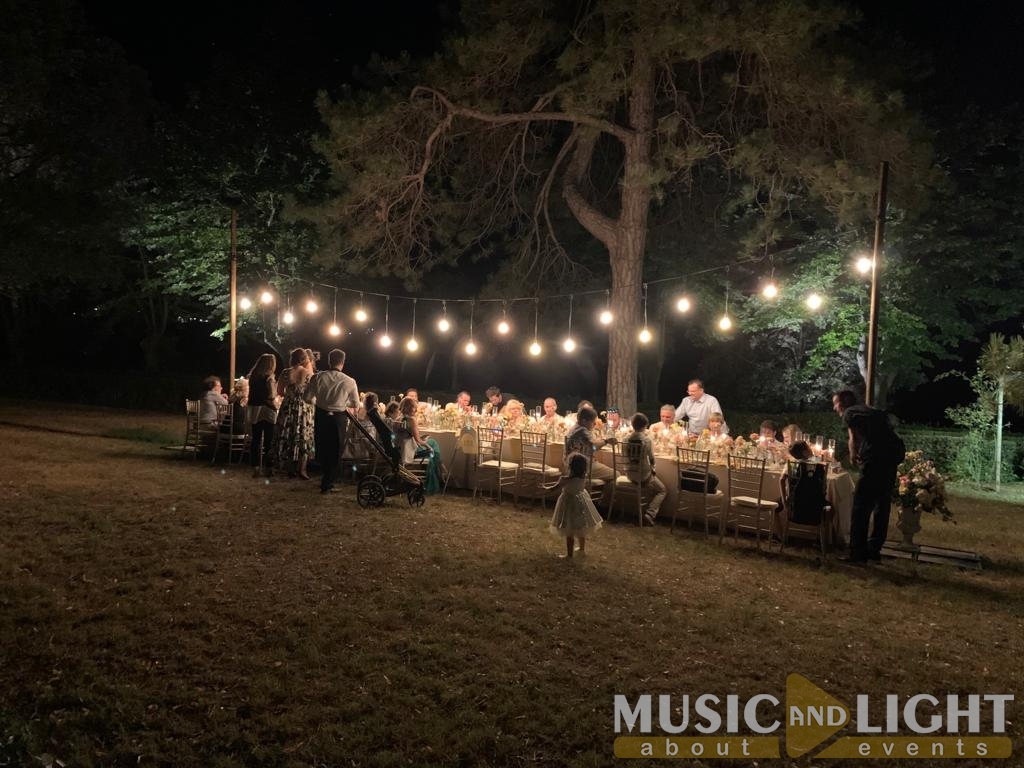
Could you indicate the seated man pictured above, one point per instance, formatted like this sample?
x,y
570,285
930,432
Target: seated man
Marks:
x,y
463,402
666,418
650,481
550,412
212,400
581,439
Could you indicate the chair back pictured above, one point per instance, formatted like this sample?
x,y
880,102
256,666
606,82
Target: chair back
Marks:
x,y
534,449
808,485
692,470
630,458
746,477
488,444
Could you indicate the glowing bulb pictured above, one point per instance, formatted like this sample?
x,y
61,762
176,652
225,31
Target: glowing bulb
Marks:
x,y
244,303
770,291
503,327
864,264
266,297
814,302
311,306
645,336
569,345
470,348
725,323
334,330
288,318
443,325
606,318
360,315
385,341
535,348
683,305
412,345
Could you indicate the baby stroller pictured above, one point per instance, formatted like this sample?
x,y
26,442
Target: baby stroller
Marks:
x,y
396,480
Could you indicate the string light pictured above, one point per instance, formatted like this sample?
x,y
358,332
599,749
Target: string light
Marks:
x,y
535,348
470,346
244,304
385,340
814,302
412,345
288,318
311,306
266,297
606,315
645,334
361,315
569,344
443,325
683,304
865,264
503,326
334,330
770,290
725,323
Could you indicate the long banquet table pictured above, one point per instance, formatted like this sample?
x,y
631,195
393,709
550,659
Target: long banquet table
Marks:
x,y
458,449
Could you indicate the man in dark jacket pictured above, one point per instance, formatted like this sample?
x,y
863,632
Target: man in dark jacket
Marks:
x,y
876,448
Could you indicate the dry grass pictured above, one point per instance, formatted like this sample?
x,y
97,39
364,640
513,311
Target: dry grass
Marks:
x,y
159,612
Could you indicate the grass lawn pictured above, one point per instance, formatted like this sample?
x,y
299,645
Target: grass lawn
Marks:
x,y
159,612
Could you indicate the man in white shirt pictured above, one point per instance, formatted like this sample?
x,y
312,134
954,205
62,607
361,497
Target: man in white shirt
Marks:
x,y
696,407
336,396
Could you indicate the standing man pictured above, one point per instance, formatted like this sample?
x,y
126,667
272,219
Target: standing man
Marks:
x,y
497,399
336,396
697,407
877,449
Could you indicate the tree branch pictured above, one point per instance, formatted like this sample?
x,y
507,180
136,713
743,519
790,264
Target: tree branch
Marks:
x,y
595,222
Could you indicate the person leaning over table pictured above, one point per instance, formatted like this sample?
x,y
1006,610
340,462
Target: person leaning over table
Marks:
x,y
581,439
336,396
876,447
696,407
497,400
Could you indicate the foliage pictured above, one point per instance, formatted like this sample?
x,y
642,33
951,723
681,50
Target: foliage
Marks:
x,y
921,487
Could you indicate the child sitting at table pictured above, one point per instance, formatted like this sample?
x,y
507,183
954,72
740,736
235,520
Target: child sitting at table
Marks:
x,y
800,451
575,514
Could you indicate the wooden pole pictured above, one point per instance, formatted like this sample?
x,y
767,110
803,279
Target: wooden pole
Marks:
x,y
234,290
876,258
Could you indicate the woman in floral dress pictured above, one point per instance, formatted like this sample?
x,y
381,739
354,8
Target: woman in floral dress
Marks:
x,y
293,444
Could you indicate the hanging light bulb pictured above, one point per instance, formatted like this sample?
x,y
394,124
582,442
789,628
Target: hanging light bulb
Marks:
x,y
361,315
244,304
443,325
412,345
569,344
335,329
470,346
606,314
683,304
865,264
503,326
814,302
311,306
288,318
770,290
645,334
266,297
535,348
385,340
725,323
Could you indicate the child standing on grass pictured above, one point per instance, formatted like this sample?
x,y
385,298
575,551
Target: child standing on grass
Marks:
x,y
575,514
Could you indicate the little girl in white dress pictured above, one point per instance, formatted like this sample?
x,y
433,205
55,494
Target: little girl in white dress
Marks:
x,y
575,514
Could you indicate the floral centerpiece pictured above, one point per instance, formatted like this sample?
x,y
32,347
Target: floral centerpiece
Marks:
x,y
921,488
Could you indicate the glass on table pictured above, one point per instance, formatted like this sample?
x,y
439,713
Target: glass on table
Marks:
x,y
832,446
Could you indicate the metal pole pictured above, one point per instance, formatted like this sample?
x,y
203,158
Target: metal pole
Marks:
x,y
876,257
234,290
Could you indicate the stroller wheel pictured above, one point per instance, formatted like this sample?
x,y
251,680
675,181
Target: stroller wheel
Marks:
x,y
370,492
416,496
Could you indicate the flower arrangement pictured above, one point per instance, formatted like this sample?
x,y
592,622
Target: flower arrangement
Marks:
x,y
921,487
